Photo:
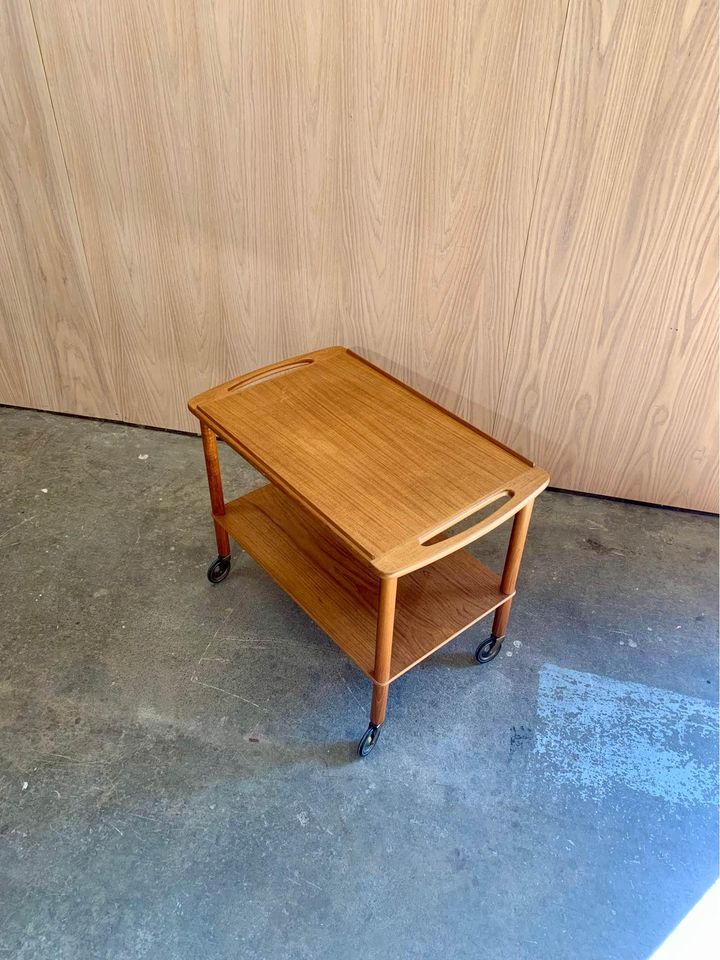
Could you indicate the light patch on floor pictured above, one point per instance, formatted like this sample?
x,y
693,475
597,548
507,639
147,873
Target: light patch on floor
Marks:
x,y
596,734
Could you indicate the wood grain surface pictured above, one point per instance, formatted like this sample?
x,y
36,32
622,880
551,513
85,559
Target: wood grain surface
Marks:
x,y
611,378
510,204
341,595
52,347
202,142
256,179
385,468
445,110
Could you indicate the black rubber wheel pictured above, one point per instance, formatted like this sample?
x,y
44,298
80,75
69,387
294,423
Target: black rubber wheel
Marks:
x,y
488,649
368,740
218,569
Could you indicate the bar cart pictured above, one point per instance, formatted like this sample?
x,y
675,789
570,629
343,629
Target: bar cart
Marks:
x,y
366,478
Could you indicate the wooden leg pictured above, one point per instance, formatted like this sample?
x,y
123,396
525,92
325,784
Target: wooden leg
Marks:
x,y
383,657
500,620
379,703
383,648
512,566
217,500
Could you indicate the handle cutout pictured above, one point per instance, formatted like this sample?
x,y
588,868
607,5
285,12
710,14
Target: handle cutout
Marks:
x,y
270,375
467,523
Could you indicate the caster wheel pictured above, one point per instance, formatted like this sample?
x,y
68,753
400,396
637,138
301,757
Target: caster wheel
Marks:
x,y
488,649
368,740
218,569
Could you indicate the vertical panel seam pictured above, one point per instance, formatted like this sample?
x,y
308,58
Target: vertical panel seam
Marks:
x,y
530,219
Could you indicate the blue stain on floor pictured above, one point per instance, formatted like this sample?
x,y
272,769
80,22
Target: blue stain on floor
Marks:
x,y
596,734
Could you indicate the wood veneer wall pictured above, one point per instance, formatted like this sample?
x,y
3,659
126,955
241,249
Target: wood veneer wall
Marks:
x,y
53,352
611,377
511,203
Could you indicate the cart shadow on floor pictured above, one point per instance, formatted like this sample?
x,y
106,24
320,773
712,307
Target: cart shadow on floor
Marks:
x,y
278,753
457,659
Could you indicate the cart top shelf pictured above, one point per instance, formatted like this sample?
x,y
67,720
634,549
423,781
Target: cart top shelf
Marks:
x,y
387,469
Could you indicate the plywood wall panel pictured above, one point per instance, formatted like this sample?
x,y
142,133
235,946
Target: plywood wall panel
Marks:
x,y
256,179
446,107
611,378
202,146
512,204
51,353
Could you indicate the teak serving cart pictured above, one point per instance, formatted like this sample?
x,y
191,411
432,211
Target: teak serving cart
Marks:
x,y
367,477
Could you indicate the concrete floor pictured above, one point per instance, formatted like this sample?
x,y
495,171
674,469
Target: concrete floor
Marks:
x,y
177,777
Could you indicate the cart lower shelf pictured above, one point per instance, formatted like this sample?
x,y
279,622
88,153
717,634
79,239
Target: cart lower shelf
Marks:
x,y
340,594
